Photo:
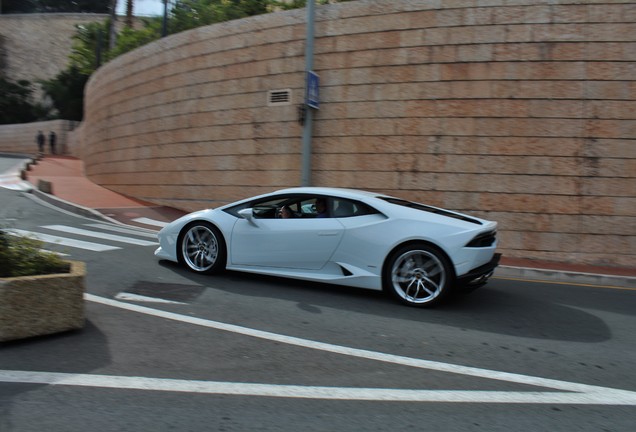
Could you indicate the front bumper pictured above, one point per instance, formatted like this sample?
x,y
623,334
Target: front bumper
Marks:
x,y
480,275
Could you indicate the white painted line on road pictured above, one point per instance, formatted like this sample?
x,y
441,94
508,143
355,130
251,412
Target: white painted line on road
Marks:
x,y
63,241
578,393
100,235
60,254
130,231
152,222
314,392
139,298
16,184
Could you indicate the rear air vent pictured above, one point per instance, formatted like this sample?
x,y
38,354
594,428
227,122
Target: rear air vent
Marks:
x,y
345,272
279,97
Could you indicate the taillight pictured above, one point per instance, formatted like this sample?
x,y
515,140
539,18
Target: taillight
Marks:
x,y
485,239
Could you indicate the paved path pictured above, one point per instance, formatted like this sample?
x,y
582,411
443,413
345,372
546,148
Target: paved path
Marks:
x,y
68,183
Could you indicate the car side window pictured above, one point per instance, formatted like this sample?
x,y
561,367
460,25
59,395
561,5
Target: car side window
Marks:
x,y
294,206
268,209
305,207
343,208
300,206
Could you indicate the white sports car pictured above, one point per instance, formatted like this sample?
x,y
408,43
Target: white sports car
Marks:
x,y
416,252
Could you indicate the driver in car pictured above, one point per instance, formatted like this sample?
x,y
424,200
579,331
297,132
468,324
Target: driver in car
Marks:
x,y
321,208
285,212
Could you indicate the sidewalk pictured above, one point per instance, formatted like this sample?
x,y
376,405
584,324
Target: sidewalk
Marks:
x,y
72,191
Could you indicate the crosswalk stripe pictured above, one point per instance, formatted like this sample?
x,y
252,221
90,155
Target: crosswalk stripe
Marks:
x,y
63,241
148,221
104,236
152,235
60,254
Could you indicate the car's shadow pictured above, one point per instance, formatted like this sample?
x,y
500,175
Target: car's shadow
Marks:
x,y
492,308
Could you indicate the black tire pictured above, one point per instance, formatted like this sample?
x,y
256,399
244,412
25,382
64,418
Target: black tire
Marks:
x,y
418,274
201,248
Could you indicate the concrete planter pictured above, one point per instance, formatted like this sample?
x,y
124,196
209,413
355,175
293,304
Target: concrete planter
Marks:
x,y
41,305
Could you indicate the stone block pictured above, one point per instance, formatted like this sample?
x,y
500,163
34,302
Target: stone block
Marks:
x,y
41,305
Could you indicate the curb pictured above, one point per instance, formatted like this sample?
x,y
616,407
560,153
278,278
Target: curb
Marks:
x,y
71,207
565,277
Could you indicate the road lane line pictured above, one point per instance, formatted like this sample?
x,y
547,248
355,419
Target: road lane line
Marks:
x,y
100,235
312,392
139,298
148,221
618,397
63,241
130,231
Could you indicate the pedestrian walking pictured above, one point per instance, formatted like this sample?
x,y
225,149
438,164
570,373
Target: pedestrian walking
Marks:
x,y
52,141
40,140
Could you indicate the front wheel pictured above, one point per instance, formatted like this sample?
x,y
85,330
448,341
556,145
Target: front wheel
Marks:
x,y
418,275
201,248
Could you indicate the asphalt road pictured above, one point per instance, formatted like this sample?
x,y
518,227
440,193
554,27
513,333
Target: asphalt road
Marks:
x,y
164,349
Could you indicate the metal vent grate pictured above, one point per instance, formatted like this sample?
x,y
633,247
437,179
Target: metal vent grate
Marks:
x,y
279,97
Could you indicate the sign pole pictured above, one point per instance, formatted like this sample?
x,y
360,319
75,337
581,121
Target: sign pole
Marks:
x,y
309,112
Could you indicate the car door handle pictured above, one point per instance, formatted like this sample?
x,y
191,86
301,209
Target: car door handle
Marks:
x,y
328,233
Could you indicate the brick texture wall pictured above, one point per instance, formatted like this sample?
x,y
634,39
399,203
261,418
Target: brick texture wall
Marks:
x,y
21,138
519,111
36,46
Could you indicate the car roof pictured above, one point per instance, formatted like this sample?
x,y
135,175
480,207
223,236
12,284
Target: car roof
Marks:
x,y
342,192
354,194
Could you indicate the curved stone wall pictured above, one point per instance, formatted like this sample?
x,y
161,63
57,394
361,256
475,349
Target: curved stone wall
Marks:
x,y
522,112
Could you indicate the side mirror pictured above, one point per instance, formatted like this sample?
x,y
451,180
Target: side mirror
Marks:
x,y
248,214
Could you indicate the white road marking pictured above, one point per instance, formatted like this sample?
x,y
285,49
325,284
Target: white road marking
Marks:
x,y
16,184
60,254
63,241
100,235
148,221
139,298
130,231
314,392
571,393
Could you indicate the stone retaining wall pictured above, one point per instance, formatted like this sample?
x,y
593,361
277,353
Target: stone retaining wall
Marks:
x,y
36,46
21,138
519,111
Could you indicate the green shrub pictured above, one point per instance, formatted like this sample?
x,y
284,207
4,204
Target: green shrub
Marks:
x,y
21,256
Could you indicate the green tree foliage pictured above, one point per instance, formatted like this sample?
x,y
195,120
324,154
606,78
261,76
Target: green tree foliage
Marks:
x,y
19,6
296,4
189,14
44,6
129,39
16,104
66,91
89,41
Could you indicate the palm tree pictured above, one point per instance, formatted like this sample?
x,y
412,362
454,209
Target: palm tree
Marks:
x,y
129,13
113,19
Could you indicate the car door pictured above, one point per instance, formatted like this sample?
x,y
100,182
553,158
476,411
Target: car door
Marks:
x,y
303,242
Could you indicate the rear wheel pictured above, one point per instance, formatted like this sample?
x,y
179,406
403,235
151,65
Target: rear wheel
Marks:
x,y
418,275
201,248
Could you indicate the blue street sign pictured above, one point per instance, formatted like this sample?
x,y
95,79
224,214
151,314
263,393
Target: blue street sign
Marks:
x,y
312,91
